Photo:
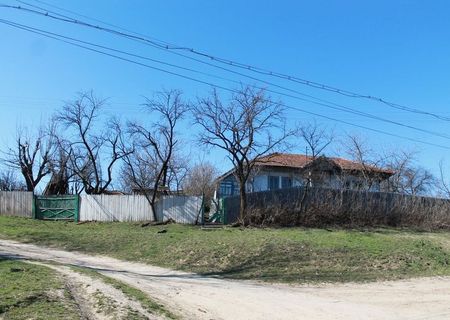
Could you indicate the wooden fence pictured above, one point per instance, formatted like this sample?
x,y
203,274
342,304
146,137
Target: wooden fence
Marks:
x,y
182,209
16,203
115,208
319,207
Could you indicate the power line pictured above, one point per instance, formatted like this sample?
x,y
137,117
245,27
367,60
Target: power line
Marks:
x,y
170,47
89,18
217,86
320,102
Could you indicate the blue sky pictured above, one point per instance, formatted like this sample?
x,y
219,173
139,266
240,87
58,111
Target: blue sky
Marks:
x,y
397,50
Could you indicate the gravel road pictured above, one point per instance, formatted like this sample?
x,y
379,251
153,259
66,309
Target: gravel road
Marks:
x,y
197,297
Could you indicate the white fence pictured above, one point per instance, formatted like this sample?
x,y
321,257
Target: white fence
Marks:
x,y
182,209
114,208
16,203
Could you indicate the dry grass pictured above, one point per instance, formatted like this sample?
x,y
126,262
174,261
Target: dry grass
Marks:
x,y
281,255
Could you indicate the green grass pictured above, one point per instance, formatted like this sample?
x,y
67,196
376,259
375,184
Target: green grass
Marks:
x,y
281,255
146,302
29,291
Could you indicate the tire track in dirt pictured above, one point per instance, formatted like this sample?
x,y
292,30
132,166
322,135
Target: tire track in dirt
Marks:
x,y
197,297
97,300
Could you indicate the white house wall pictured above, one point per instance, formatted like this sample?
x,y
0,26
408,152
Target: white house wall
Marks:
x,y
260,180
260,183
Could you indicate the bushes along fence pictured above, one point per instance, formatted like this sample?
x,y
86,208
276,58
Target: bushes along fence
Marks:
x,y
317,207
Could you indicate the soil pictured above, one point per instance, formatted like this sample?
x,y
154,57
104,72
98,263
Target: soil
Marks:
x,y
197,297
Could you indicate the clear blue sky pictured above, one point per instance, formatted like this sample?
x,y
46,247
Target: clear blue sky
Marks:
x,y
398,50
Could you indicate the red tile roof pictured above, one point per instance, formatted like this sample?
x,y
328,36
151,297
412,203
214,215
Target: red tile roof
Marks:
x,y
300,161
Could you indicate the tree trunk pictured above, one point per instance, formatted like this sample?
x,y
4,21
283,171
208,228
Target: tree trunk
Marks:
x,y
28,181
153,207
243,203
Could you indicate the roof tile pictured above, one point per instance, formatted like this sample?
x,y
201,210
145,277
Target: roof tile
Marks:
x,y
301,160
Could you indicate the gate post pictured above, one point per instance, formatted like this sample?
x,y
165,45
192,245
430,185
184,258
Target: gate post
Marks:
x,y
33,207
77,208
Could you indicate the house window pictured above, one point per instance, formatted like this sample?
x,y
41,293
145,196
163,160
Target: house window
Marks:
x,y
226,188
286,182
274,182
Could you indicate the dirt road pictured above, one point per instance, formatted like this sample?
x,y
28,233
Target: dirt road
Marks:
x,y
197,297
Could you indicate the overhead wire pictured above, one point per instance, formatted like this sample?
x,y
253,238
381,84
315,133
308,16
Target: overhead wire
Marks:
x,y
12,24
167,46
320,102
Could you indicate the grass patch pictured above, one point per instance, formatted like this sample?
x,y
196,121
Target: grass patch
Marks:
x,y
29,291
146,302
104,304
283,255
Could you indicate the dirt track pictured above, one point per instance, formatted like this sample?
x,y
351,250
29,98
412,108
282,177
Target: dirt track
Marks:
x,y
97,300
196,297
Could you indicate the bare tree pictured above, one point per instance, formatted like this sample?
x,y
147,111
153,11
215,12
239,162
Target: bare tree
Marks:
x,y
91,146
407,177
9,182
178,171
31,155
156,146
247,127
316,137
200,180
138,172
443,183
418,181
368,161
61,173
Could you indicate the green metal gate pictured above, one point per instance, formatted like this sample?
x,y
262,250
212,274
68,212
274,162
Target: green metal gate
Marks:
x,y
56,207
219,215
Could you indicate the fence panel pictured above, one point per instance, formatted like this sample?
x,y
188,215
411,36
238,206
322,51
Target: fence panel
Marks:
x,y
16,203
182,209
115,208
57,207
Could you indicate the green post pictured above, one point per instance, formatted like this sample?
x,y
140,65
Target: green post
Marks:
x,y
33,207
77,208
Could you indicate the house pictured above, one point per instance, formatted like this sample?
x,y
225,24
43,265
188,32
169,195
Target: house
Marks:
x,y
283,170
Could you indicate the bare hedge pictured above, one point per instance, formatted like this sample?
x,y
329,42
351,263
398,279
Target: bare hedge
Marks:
x,y
317,207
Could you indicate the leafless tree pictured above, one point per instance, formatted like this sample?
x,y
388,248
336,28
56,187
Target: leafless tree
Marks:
x,y
443,183
138,172
9,182
61,173
407,177
31,155
359,150
91,145
316,137
152,165
200,180
247,127
419,181
178,171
